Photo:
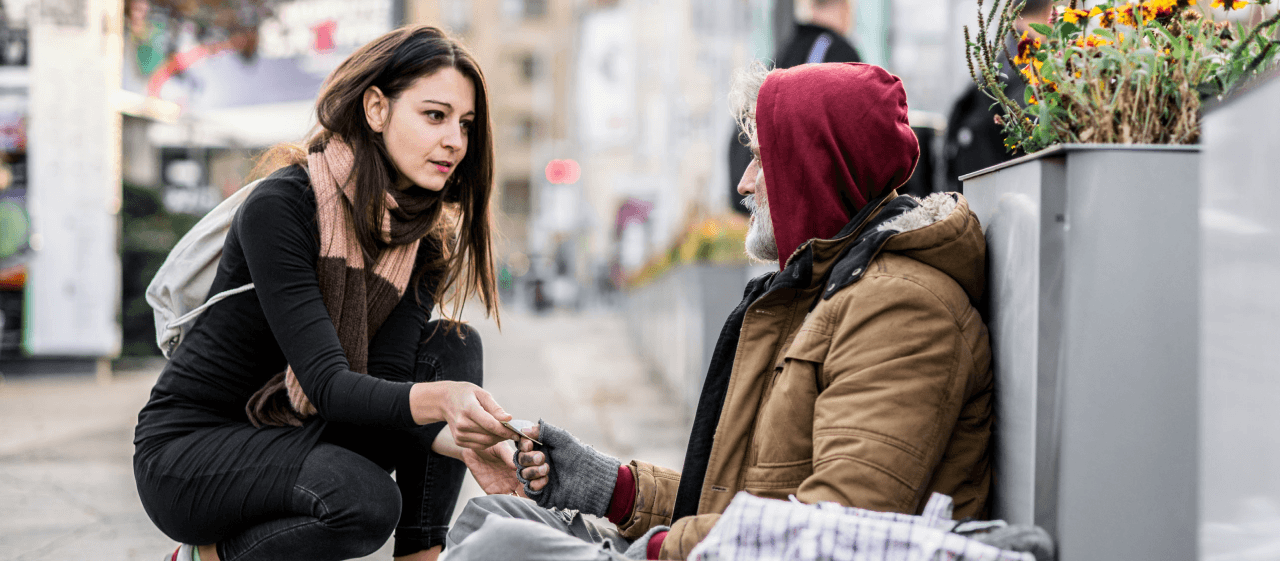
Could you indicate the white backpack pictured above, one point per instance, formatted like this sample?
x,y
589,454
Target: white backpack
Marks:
x,y
177,293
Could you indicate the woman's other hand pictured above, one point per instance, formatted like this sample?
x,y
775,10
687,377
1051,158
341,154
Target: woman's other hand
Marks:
x,y
494,469
533,464
474,418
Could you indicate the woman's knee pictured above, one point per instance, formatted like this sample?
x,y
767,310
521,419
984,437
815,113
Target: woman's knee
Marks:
x,y
351,496
453,352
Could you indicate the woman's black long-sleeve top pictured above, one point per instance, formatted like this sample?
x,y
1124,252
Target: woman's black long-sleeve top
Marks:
x,y
241,342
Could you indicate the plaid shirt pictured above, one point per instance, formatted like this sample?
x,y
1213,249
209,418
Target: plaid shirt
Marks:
x,y
764,529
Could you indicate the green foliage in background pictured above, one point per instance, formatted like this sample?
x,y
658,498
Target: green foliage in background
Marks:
x,y
1131,73
149,232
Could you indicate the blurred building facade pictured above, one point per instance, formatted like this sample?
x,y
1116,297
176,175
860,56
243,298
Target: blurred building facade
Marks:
x,y
610,116
631,96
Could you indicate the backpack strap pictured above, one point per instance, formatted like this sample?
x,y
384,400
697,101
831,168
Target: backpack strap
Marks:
x,y
212,300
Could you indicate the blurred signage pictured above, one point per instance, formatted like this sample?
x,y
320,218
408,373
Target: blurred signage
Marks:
x,y
186,186
311,28
284,59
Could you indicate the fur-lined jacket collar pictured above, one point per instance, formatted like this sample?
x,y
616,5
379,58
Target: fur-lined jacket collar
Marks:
x,y
938,230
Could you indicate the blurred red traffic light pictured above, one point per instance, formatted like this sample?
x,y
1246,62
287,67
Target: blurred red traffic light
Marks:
x,y
564,172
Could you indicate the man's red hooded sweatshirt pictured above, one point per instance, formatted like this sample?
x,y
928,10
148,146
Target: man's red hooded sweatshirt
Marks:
x,y
832,137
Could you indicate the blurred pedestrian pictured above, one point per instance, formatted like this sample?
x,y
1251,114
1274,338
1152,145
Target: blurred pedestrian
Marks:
x,y
974,141
272,432
859,373
822,39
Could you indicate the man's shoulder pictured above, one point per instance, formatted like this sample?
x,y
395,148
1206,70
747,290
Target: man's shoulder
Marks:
x,y
892,279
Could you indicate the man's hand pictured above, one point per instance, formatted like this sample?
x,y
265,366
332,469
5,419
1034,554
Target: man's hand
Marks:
x,y
493,469
570,474
533,465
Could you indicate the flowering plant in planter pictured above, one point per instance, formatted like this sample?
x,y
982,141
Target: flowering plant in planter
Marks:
x,y
1127,73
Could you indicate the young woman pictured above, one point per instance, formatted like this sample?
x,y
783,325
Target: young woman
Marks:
x,y
272,432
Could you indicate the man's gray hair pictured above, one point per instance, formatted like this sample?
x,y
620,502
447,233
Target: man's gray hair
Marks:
x,y
742,98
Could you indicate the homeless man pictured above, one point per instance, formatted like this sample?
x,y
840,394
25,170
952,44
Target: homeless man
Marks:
x,y
859,373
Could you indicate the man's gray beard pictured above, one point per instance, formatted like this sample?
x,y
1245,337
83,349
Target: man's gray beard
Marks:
x,y
761,244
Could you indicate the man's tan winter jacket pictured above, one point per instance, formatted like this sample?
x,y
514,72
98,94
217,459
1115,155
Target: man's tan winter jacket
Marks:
x,y
878,397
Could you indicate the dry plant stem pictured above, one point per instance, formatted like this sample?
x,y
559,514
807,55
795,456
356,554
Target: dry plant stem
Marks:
x,y
968,59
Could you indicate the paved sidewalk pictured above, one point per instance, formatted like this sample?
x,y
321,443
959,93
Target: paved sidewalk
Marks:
x,y
66,440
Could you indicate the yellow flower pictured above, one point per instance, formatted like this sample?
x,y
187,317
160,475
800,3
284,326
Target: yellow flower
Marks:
x,y
1108,17
1091,41
1073,16
1125,15
1032,100
1030,76
1158,10
1233,5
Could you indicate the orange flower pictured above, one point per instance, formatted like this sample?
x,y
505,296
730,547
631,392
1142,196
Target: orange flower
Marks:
x,y
1232,5
1027,46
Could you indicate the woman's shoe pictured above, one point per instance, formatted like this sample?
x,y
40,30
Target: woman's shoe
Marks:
x,y
183,553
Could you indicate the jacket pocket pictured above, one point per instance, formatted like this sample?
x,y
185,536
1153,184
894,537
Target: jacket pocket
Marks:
x,y
777,480
784,429
809,345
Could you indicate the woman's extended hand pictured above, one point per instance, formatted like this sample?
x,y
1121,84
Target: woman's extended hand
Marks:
x,y
494,469
473,416
533,465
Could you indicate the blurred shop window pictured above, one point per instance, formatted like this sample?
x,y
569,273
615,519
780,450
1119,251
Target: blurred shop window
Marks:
x,y
456,15
529,67
535,8
514,10
515,196
13,46
526,129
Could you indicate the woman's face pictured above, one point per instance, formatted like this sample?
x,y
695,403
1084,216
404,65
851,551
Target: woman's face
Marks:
x,y
425,129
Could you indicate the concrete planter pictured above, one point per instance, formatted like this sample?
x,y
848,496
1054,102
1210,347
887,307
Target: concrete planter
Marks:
x,y
1093,292
1240,319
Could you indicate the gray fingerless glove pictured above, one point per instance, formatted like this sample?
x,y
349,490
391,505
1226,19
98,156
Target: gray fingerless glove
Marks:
x,y
579,478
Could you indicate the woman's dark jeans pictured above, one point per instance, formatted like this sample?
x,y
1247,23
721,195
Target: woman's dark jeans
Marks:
x,y
345,504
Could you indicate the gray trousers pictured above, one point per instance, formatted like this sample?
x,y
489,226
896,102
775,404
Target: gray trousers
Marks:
x,y
509,527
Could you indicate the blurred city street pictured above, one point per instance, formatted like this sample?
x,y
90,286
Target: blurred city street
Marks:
x,y
581,161
66,440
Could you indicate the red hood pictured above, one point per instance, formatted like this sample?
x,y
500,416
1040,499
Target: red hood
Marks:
x,y
832,136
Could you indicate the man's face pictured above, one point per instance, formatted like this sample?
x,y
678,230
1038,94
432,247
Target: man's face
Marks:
x,y
761,244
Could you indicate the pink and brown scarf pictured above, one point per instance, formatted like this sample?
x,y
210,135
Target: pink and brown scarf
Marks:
x,y
359,298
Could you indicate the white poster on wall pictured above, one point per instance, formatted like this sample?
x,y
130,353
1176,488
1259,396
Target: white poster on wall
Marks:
x,y
606,79
73,288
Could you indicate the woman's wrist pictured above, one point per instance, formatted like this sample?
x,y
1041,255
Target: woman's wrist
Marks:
x,y
425,402
445,446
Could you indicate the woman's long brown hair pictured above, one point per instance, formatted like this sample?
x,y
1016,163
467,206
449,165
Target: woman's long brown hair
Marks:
x,y
463,224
